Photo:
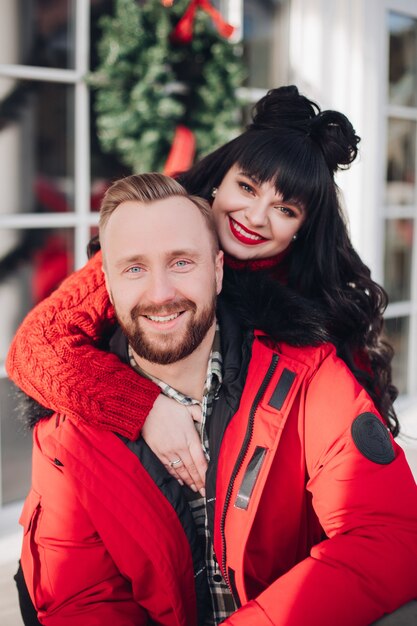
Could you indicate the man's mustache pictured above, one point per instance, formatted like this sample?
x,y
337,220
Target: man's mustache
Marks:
x,y
176,306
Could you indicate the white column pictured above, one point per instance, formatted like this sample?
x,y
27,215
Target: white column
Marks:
x,y
9,136
335,58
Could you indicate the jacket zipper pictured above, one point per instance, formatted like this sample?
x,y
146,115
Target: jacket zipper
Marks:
x,y
241,457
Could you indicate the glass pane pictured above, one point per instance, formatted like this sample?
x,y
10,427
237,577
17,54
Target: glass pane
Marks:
x,y
37,143
265,43
16,445
402,59
39,151
32,264
398,258
43,32
397,332
401,162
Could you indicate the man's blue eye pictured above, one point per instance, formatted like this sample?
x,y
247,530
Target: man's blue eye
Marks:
x,y
134,270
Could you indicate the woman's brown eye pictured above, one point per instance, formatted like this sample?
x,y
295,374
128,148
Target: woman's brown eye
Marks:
x,y
287,211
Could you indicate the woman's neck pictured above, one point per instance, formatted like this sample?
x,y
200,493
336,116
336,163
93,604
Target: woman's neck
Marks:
x,y
255,265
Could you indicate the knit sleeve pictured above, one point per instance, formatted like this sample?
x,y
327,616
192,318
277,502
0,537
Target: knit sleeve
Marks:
x,y
54,358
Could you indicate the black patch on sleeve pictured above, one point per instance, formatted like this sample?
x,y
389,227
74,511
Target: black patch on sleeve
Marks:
x,y
372,439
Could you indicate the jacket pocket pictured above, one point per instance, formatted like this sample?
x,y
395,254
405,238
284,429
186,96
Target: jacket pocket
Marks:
x,y
31,560
250,478
30,507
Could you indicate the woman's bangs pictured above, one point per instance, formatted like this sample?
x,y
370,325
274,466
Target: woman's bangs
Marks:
x,y
286,162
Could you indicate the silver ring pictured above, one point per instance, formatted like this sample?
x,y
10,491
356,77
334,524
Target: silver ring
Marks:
x,y
176,462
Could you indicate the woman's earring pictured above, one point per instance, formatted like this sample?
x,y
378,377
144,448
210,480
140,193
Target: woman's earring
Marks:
x,y
213,192
295,237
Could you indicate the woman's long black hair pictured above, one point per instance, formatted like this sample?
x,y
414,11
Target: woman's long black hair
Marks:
x,y
299,148
293,144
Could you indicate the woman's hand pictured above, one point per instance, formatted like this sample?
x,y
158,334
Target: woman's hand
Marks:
x,y
170,432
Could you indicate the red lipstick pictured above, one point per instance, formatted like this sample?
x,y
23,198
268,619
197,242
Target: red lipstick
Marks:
x,y
244,235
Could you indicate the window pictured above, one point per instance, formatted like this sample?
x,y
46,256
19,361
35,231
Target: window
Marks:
x,y
265,41
400,206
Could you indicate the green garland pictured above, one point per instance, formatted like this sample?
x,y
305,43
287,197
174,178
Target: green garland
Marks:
x,y
147,85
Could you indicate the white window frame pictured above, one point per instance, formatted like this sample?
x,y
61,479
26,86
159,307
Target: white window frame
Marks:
x,y
81,219
386,110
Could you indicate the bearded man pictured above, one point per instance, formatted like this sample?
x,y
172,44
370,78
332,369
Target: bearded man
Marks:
x,y
310,515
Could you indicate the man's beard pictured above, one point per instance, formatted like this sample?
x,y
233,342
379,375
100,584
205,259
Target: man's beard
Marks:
x,y
172,347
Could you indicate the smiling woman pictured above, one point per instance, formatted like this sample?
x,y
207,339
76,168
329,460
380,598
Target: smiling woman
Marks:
x,y
288,259
252,213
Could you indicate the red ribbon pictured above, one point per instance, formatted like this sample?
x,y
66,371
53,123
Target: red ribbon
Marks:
x,y
183,32
181,155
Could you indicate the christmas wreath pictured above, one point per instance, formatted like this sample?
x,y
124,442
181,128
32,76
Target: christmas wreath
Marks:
x,y
166,83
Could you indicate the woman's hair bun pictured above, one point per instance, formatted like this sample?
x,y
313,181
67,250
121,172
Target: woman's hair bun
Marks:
x,y
336,137
286,108
283,107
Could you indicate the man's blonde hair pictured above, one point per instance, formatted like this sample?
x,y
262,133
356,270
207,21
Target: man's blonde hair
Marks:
x,y
147,188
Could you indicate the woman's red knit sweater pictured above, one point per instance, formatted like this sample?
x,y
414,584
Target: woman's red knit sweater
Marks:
x,y
54,356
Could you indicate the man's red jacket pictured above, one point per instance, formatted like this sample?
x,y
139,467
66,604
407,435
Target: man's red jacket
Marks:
x,y
315,516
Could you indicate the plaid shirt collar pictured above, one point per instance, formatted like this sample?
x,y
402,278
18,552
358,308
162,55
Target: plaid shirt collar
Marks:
x,y
213,381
